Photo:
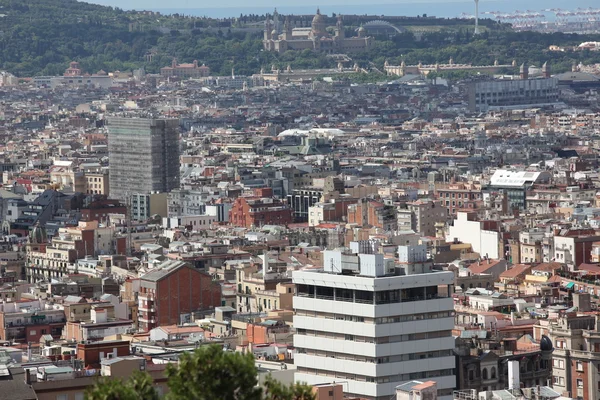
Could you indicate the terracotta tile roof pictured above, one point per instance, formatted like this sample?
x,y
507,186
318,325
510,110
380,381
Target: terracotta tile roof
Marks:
x,y
548,267
516,270
483,266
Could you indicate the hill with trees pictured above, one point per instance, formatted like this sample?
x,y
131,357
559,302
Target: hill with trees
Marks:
x,y
40,37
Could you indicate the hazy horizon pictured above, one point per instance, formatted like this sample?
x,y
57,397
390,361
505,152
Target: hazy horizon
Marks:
x,y
439,8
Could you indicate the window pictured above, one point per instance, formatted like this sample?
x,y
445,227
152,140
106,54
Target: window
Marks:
x,y
579,366
579,383
493,373
61,397
79,396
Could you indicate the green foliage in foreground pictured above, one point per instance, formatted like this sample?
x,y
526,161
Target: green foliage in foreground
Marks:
x,y
206,374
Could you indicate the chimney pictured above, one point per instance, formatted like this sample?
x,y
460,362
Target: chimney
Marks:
x,y
513,375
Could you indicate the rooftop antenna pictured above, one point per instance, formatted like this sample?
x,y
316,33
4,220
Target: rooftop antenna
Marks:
x,y
476,32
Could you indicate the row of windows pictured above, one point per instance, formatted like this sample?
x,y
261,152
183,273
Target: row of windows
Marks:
x,y
381,320
378,360
378,340
470,196
367,297
381,379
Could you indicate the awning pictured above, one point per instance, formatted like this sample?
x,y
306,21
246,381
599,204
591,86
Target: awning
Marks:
x,y
570,285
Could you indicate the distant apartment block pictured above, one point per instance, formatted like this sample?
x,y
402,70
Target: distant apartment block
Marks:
x,y
369,212
510,94
260,209
144,156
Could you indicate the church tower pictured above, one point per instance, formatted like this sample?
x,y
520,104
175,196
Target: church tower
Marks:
x,y
287,29
339,28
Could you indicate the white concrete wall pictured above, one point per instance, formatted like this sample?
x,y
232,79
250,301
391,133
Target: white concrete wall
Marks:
x,y
483,242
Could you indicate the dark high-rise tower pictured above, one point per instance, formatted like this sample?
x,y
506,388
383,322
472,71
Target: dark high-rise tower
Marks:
x,y
143,156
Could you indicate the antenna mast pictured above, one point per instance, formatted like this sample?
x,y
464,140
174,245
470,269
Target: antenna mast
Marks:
x,y
476,32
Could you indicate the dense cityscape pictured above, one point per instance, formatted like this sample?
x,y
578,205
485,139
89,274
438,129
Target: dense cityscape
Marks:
x,y
299,207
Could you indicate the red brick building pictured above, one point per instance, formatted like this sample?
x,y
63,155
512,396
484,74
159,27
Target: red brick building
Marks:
x,y
369,212
260,209
92,353
173,290
459,196
266,332
99,210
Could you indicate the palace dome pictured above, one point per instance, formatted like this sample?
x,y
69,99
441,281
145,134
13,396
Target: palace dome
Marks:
x,y
319,25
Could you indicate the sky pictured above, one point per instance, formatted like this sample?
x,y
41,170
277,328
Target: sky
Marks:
x,y
439,8
146,4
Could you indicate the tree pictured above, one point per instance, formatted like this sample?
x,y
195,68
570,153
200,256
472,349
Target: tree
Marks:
x,y
211,373
207,373
138,387
276,391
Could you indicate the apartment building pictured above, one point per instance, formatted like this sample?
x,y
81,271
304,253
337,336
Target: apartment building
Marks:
x,y
459,196
531,249
331,210
144,155
510,94
57,259
576,355
483,236
191,202
264,290
258,211
374,325
368,212
174,290
25,322
100,210
422,216
145,205
573,247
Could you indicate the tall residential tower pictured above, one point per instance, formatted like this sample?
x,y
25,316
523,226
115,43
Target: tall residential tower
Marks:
x,y
143,156
371,322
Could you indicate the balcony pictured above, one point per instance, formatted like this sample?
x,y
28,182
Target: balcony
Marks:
x,y
145,320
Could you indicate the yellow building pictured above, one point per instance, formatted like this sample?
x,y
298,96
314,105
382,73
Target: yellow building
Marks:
x,y
96,183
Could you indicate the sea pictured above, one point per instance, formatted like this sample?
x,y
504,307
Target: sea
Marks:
x,y
439,8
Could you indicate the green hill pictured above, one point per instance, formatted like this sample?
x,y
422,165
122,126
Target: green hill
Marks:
x,y
40,37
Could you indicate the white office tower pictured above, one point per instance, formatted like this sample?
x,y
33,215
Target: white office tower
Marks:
x,y
371,323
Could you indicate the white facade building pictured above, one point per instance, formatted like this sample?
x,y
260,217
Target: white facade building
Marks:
x,y
373,329
52,82
466,230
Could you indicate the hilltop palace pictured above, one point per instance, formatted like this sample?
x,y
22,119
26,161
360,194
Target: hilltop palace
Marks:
x,y
315,38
